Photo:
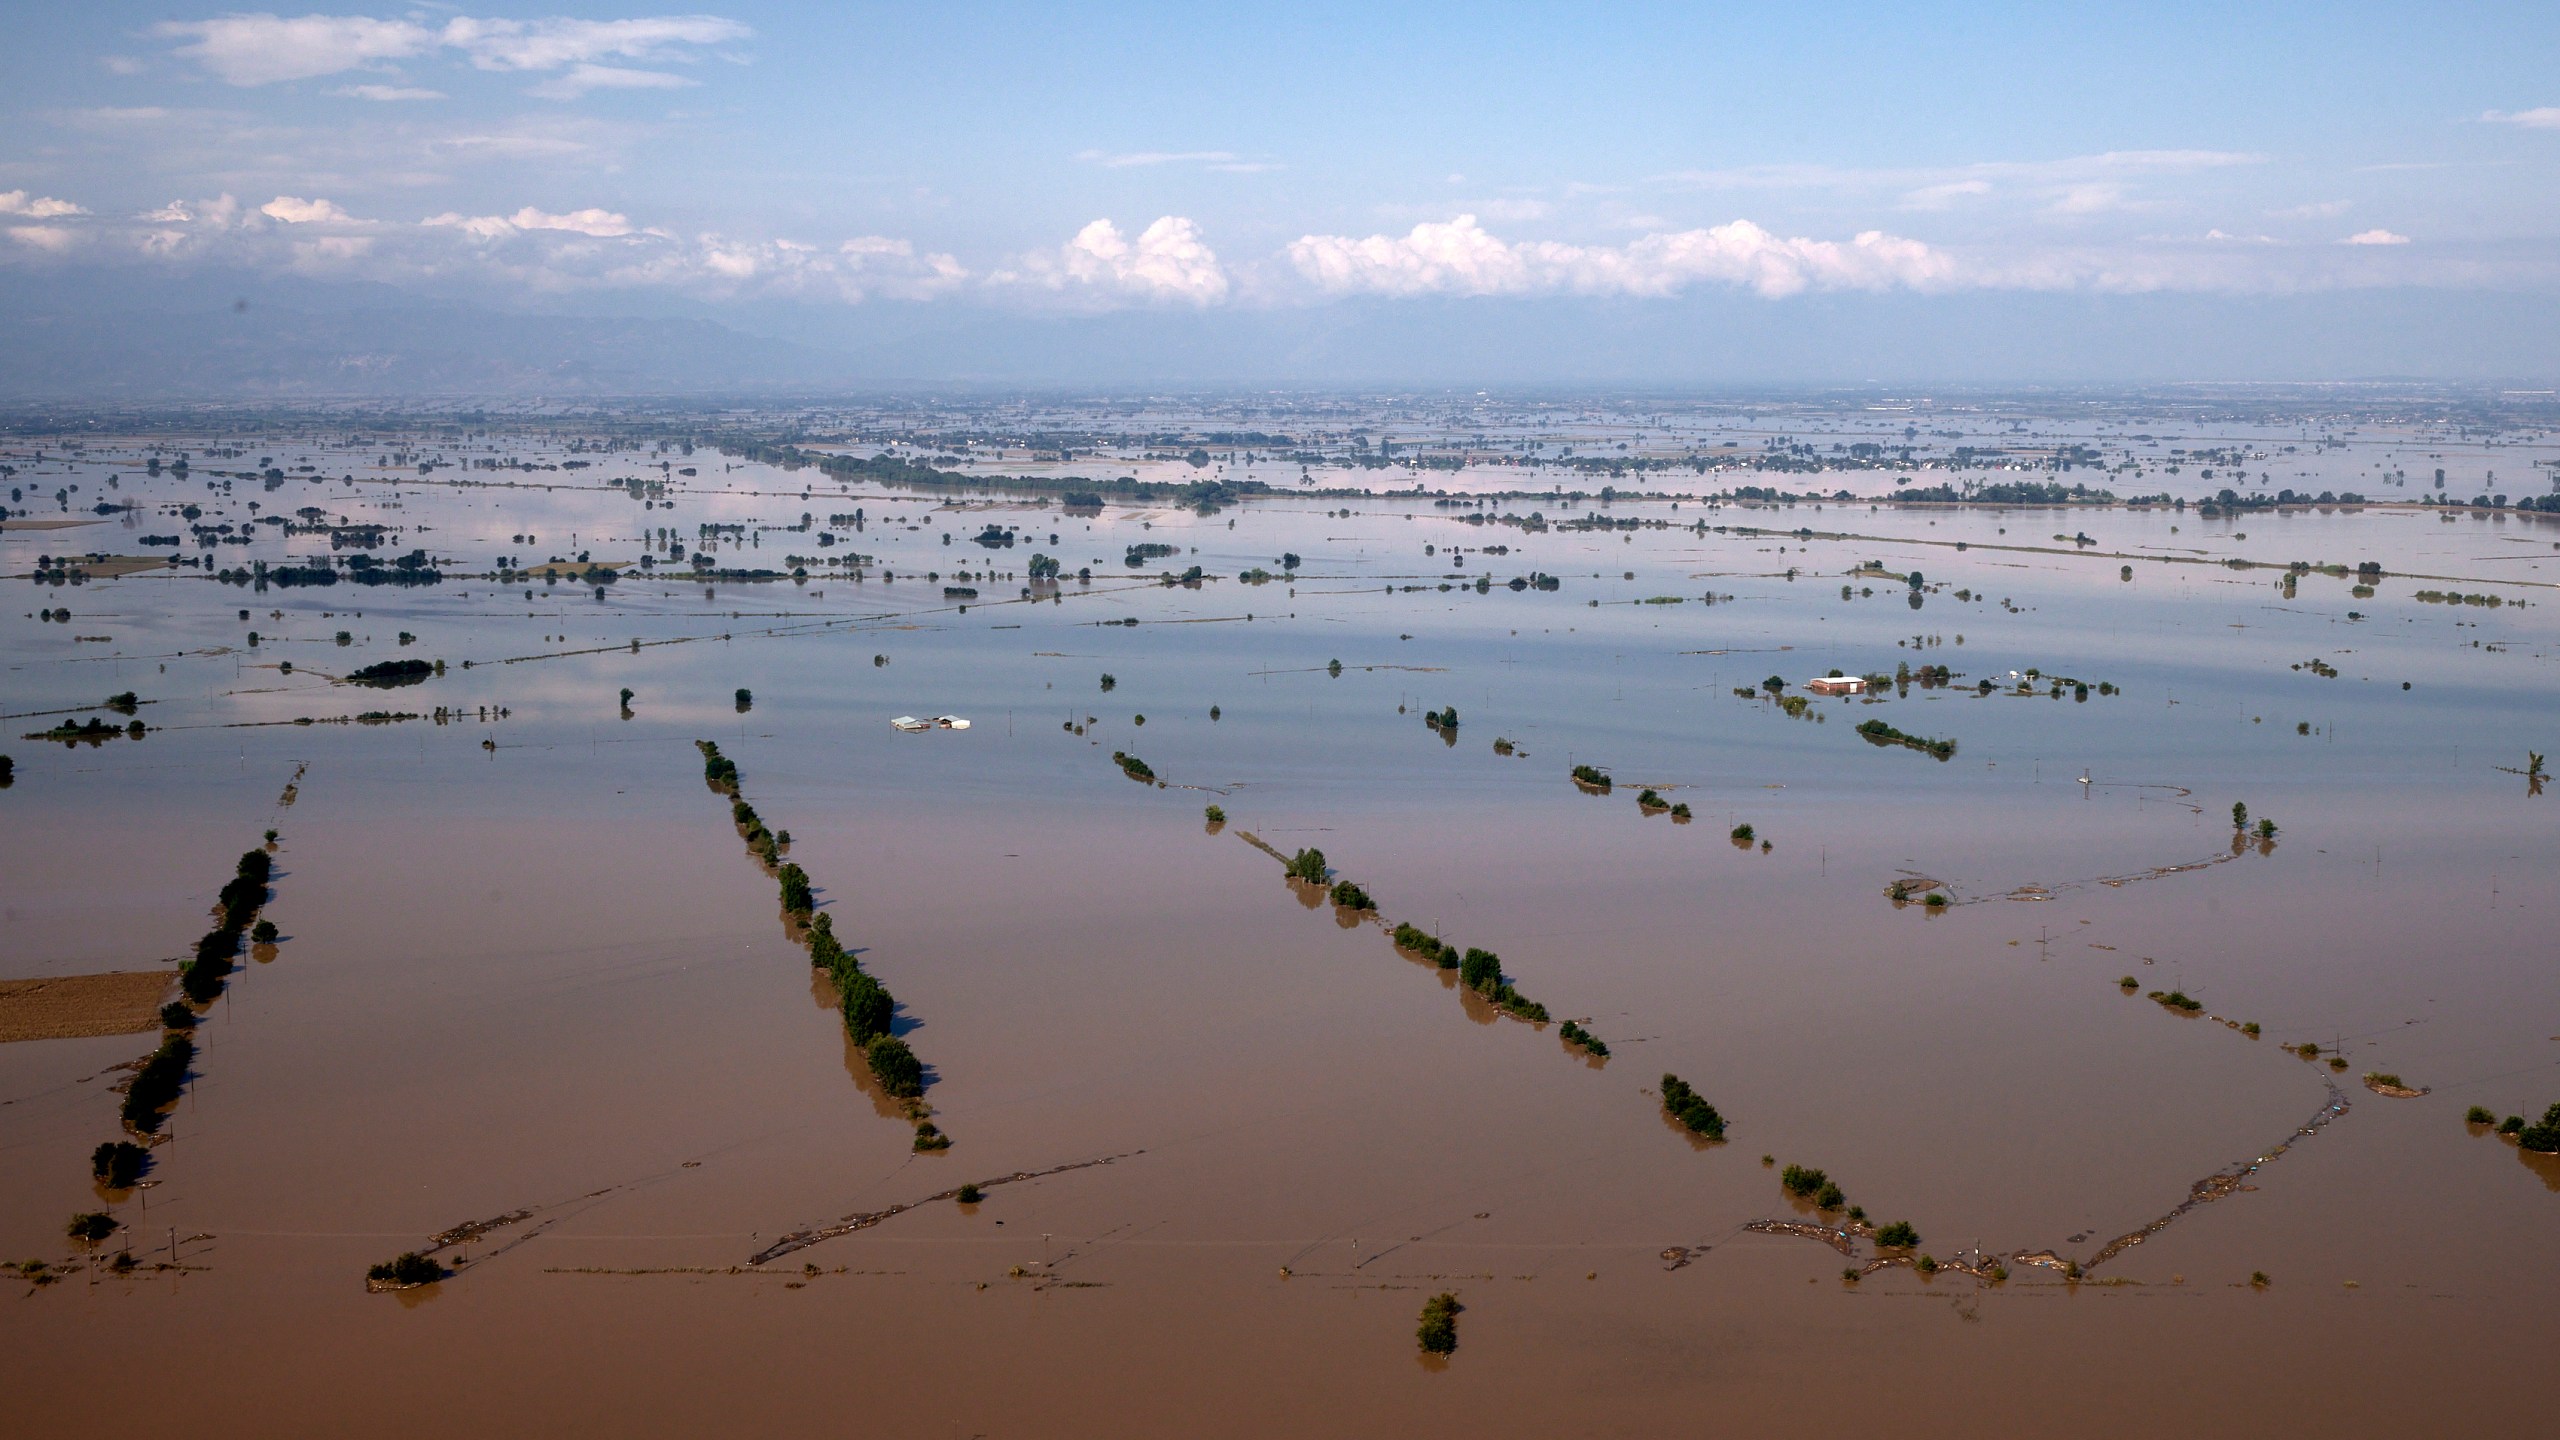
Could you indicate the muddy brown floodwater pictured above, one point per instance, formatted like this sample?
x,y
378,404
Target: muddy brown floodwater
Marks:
x,y
527,1009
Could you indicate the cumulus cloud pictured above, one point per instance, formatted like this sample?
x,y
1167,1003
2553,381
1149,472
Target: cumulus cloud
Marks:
x,y
2375,237
219,213
293,210
1167,262
52,239
875,264
594,223
1459,257
39,207
265,49
387,92
2541,117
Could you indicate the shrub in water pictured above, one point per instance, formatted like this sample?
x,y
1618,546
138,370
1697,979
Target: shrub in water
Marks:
x,y
1438,1332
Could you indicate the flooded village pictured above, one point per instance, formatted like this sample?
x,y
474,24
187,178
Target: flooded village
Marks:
x,y
1453,909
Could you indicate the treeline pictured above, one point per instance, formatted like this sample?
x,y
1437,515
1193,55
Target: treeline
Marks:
x,y
1078,490
93,730
411,569
2006,492
387,673
162,1075
1879,733
243,895
1478,970
865,1004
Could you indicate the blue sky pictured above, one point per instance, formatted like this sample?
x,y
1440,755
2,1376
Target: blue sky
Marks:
x,y
1072,160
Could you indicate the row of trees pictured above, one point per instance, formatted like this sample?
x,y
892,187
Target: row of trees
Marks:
x,y
1819,1190
1878,732
867,1008
1480,971
238,904
1690,1108
162,1075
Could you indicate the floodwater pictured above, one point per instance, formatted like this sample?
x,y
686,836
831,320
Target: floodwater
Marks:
x,y
526,964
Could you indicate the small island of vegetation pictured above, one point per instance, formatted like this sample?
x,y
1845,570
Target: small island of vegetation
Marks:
x,y
386,674
1878,732
1438,1332
1690,1108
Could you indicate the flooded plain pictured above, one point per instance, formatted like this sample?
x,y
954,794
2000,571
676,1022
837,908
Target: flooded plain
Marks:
x,y
528,991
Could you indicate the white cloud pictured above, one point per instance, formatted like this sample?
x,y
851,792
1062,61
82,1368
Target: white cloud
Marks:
x,y
515,146
219,213
1460,258
1168,261
18,202
582,79
2375,237
121,64
875,263
599,224
293,210
1944,196
2317,210
52,239
595,224
2094,198
1111,161
331,250
387,92
2541,117
551,44
263,49
478,227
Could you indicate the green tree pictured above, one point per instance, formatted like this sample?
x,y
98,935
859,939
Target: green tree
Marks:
x,y
1690,1108
895,1066
116,1164
1438,1332
796,896
867,1007
91,1226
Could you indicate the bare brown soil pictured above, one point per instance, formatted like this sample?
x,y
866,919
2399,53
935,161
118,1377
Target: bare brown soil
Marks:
x,y
70,1007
